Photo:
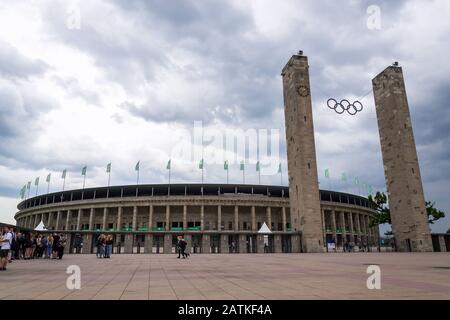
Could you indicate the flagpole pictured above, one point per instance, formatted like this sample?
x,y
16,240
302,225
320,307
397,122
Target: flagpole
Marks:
x,y
84,181
64,183
243,175
109,177
48,187
227,175
281,177
37,188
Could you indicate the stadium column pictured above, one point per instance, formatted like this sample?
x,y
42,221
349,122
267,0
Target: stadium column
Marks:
x,y
91,219
202,218
58,216
167,243
206,243
259,243
236,218
277,240
219,218
352,230
224,247
188,239
105,214
242,243
150,218
333,225
167,217
135,210
80,212
148,243
283,213
358,227
119,219
184,217
49,220
324,226
364,230
344,232
254,227
35,223
128,243
269,217
67,220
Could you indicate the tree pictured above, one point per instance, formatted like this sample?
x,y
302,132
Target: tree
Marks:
x,y
379,203
448,231
433,213
383,214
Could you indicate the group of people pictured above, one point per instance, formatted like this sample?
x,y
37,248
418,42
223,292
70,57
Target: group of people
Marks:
x,y
105,246
17,245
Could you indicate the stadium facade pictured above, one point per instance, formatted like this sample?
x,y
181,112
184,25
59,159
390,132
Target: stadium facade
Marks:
x,y
213,218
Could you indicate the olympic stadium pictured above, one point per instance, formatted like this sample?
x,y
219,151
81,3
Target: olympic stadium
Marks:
x,y
213,218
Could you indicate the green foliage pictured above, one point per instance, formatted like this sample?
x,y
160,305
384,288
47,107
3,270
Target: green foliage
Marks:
x,y
383,214
379,203
448,231
433,213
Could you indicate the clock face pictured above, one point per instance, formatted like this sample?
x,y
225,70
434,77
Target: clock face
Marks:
x,y
303,91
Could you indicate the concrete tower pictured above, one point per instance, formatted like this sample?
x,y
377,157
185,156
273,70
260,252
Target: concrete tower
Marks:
x,y
401,167
301,153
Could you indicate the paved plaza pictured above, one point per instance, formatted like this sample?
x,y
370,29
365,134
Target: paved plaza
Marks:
x,y
232,276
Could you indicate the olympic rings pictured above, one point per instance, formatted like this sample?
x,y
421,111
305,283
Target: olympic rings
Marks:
x,y
345,105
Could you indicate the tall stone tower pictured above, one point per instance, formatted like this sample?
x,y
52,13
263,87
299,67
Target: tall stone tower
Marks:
x,y
301,153
401,166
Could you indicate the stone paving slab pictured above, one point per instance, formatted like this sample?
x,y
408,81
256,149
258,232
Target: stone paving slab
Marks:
x,y
230,277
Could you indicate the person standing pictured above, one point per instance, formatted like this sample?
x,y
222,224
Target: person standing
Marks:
x,y
55,245
109,244
61,245
5,242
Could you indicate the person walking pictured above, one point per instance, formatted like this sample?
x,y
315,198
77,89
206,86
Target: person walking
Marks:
x,y
181,244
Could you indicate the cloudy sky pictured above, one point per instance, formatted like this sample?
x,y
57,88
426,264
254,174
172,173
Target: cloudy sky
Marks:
x,y
92,82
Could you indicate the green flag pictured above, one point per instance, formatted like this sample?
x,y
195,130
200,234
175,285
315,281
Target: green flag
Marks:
x,y
108,167
200,164
36,181
168,165
257,166
48,177
137,166
63,176
327,173
242,167
279,168
22,191
83,171
225,165
344,176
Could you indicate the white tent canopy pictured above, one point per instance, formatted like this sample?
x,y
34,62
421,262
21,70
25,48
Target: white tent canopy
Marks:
x,y
264,229
40,227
